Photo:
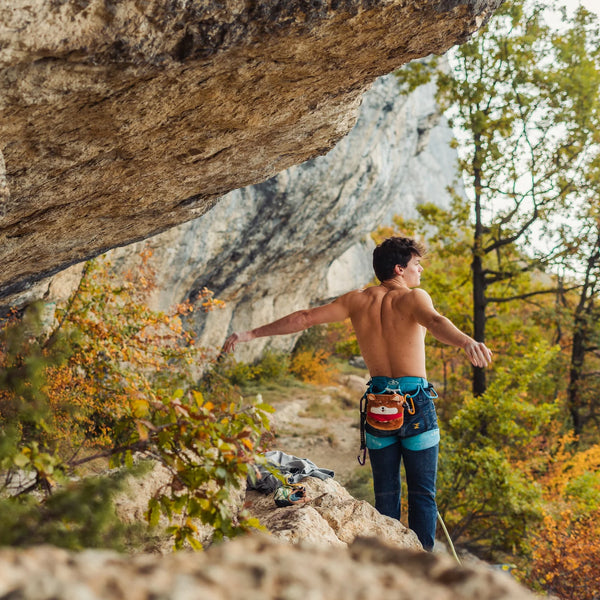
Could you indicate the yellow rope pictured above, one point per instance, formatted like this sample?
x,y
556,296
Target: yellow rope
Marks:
x,y
448,538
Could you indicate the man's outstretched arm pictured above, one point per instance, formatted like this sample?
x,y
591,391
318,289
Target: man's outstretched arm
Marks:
x,y
292,323
445,331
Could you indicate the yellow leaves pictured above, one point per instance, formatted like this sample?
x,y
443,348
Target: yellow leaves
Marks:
x,y
198,398
207,300
139,406
248,443
23,458
568,464
191,526
311,366
143,428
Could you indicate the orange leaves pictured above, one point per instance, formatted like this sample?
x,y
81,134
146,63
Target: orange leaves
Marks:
x,y
565,555
248,443
207,300
565,549
121,355
568,466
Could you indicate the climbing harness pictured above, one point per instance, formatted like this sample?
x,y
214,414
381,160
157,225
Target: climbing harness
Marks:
x,y
385,411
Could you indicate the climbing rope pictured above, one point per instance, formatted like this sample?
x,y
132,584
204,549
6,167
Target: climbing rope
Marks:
x,y
448,538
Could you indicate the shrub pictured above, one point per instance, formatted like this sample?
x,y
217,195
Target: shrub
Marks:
x,y
488,496
114,379
564,560
239,373
312,367
272,366
343,339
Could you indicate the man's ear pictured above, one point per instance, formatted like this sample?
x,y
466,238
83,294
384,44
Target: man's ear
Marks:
x,y
398,270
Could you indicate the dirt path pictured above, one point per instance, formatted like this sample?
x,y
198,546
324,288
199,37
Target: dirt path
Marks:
x,y
321,424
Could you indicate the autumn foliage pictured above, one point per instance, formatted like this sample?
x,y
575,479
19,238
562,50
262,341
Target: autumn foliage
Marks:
x,y
311,366
564,559
110,379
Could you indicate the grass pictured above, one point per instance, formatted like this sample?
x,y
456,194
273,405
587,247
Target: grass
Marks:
x,y
278,393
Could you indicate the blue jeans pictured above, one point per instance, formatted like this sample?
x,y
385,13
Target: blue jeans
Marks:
x,y
416,445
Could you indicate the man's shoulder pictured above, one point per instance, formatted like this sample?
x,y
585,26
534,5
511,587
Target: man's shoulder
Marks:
x,y
414,298
352,296
357,297
419,294
360,292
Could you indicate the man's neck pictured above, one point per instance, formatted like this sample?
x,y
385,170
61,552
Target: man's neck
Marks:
x,y
396,283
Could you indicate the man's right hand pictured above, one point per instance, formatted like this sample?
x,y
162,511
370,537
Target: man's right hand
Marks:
x,y
234,338
478,353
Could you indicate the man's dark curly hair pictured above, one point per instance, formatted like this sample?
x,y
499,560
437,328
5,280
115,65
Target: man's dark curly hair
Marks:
x,y
394,251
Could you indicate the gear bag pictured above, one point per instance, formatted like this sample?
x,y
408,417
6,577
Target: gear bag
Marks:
x,y
386,411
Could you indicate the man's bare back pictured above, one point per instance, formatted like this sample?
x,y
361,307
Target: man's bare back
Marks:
x,y
391,340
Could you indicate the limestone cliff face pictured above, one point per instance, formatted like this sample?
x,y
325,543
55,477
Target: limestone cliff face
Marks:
x,y
121,119
303,236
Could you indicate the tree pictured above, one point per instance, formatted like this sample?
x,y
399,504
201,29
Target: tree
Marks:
x,y
575,90
525,121
581,306
492,443
585,339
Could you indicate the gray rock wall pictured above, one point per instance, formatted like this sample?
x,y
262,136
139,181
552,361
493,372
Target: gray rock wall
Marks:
x,y
302,237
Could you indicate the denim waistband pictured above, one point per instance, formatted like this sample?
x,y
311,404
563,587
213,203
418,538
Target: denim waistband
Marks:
x,y
381,384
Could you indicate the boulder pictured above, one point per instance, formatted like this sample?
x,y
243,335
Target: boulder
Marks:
x,y
330,517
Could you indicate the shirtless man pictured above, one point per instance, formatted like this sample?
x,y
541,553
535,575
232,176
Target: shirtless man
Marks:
x,y
390,322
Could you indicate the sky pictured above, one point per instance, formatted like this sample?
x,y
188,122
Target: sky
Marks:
x,y
591,5
571,5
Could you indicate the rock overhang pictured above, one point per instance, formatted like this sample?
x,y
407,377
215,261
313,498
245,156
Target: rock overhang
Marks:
x,y
120,120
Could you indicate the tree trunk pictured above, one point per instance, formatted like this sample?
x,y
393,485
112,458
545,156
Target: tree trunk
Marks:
x,y
583,323
574,392
479,284
479,318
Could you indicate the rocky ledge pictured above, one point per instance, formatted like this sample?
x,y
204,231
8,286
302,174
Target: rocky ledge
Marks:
x,y
333,546
258,567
